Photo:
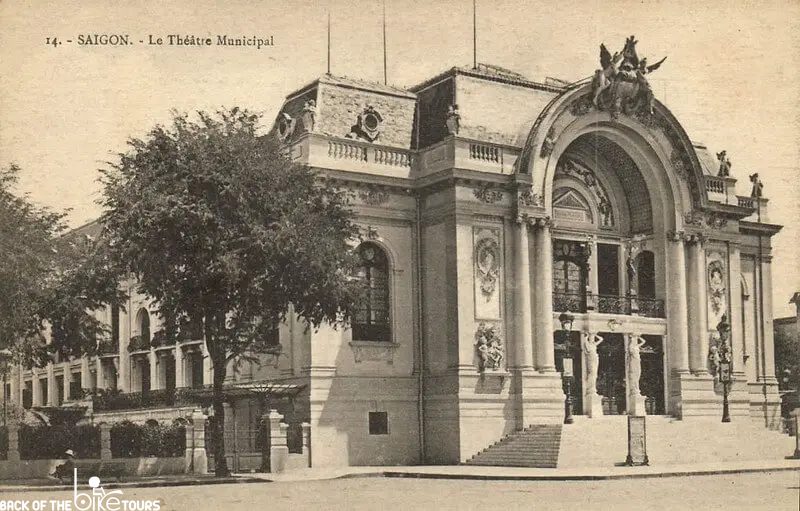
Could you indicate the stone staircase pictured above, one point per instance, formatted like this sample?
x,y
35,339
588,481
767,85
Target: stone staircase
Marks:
x,y
535,446
602,442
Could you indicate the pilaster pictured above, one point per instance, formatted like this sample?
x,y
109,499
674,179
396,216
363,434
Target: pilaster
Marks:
x,y
52,392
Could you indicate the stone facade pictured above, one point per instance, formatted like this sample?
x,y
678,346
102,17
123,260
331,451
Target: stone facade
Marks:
x,y
488,241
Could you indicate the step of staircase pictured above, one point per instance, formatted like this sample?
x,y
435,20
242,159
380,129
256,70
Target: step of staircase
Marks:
x,y
535,446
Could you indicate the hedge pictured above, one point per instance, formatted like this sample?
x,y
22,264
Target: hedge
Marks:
x,y
50,442
129,440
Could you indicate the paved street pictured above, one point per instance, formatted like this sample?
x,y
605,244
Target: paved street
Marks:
x,y
769,491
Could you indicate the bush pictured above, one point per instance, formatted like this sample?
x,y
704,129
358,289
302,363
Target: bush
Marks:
x,y
129,440
3,443
50,442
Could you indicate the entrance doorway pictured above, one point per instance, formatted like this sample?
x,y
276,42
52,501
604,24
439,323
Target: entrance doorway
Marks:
x,y
651,385
611,374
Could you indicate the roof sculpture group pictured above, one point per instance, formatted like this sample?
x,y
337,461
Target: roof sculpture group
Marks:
x,y
620,85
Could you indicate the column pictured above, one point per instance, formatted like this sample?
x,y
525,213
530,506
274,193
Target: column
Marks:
x,y
698,306
307,442
66,381
86,374
522,298
101,376
155,381
36,389
52,393
543,280
21,385
180,379
677,313
208,369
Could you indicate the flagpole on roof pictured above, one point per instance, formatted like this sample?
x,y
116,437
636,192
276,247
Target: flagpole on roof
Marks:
x,y
474,34
329,39
384,43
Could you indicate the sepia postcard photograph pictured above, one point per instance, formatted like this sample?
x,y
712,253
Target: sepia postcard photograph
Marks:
x,y
399,254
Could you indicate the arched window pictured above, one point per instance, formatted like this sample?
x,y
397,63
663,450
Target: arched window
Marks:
x,y
143,320
371,317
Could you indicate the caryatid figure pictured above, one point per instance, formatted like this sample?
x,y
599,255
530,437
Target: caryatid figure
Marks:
x,y
590,343
635,343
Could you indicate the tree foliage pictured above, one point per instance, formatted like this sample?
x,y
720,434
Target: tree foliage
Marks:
x,y
218,226
46,280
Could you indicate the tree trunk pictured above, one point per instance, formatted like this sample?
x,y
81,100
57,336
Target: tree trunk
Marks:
x,y
218,399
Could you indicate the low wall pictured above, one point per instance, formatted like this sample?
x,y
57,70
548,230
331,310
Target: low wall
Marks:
x,y
41,469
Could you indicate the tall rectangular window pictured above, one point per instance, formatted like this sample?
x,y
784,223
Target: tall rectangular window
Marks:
x,y
607,269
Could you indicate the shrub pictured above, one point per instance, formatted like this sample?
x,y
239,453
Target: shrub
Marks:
x,y
50,442
129,440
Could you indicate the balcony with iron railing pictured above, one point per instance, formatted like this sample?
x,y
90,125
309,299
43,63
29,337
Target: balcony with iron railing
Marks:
x,y
608,304
104,401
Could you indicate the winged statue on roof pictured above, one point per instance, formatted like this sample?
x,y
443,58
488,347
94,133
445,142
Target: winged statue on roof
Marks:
x,y
620,85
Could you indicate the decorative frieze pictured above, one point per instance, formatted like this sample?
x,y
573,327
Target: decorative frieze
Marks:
x,y
373,197
529,198
707,219
487,194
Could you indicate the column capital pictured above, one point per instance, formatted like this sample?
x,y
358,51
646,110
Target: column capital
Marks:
x,y
544,222
698,238
676,236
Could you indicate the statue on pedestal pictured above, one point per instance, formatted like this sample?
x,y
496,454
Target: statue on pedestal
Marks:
x,y
724,164
590,343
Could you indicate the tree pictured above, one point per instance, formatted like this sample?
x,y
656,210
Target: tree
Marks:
x,y
219,227
43,280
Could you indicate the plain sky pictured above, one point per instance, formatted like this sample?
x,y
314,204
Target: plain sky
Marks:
x,y
732,76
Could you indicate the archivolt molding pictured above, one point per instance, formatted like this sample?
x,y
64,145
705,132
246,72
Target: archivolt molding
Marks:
x,y
558,119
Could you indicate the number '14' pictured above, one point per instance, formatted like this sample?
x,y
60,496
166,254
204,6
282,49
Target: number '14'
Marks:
x,y
52,40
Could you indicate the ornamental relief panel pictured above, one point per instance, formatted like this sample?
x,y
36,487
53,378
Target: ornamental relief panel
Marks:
x,y
717,285
487,265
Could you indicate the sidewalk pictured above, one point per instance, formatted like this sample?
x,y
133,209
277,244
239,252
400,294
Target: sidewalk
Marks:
x,y
432,472
535,474
37,485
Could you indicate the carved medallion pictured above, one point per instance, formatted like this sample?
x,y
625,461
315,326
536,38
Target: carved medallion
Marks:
x,y
487,264
369,125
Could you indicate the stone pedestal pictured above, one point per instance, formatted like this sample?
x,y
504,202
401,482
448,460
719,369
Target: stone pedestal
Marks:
x,y
278,448
105,441
636,404
593,405
196,458
307,441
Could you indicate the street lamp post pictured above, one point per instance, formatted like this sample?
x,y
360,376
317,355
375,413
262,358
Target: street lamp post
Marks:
x,y
566,319
724,369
